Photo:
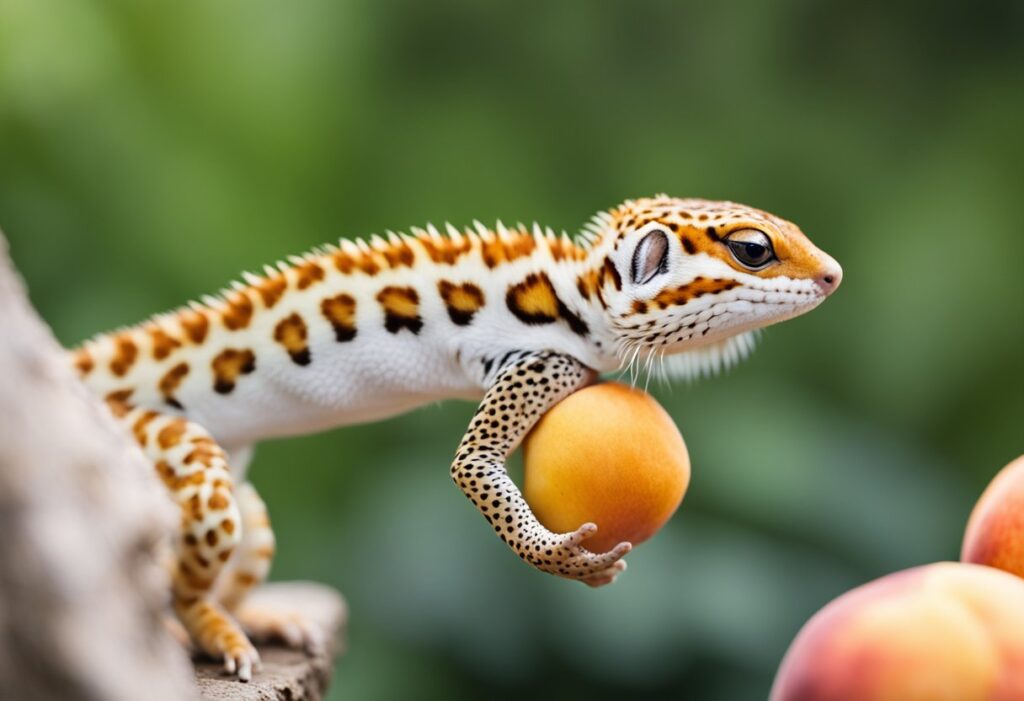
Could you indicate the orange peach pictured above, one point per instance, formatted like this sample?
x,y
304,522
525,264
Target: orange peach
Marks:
x,y
948,631
608,454
995,530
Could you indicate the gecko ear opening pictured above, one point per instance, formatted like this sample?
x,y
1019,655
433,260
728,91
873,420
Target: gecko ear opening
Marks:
x,y
650,257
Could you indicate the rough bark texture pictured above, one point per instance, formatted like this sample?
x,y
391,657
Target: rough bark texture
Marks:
x,y
83,599
286,675
81,595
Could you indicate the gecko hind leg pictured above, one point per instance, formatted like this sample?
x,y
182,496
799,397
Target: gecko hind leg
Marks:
x,y
248,569
195,470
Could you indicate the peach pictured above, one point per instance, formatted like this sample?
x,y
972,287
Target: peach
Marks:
x,y
995,530
608,454
947,631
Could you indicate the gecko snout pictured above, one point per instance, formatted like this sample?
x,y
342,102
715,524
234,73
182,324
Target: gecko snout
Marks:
x,y
830,276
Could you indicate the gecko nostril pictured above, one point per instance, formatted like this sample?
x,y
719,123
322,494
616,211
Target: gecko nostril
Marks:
x,y
828,282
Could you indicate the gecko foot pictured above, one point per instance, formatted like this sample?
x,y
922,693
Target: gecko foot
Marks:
x,y
573,561
220,637
265,623
607,576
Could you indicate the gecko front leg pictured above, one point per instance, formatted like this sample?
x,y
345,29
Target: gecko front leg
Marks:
x,y
520,393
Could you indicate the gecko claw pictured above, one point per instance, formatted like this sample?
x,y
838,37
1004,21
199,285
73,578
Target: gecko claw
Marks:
x,y
573,561
621,549
607,576
242,664
582,533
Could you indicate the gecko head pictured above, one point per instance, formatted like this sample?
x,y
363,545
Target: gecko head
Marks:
x,y
694,273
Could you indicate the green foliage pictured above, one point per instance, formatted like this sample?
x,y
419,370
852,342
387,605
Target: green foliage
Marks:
x,y
151,151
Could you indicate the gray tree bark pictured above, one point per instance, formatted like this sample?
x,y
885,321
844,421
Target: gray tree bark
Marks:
x,y
81,594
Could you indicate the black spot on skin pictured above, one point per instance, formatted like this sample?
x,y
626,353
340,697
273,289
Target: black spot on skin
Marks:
x,y
301,357
713,234
175,403
395,323
613,272
344,334
578,326
532,317
460,317
229,365
547,313
551,311
462,301
401,309
340,312
689,246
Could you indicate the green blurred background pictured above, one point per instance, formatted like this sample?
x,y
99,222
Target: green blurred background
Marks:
x,y
149,152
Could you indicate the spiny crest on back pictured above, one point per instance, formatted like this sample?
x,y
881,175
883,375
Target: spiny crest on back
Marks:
x,y
370,256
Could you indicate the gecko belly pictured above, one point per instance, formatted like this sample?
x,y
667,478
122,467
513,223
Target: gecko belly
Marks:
x,y
346,385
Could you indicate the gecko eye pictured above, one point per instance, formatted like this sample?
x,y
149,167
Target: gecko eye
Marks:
x,y
751,248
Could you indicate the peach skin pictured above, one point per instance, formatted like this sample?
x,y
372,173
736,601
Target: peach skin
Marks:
x,y
995,530
608,454
948,631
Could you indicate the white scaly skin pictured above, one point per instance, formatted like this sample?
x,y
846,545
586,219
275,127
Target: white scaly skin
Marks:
x,y
516,318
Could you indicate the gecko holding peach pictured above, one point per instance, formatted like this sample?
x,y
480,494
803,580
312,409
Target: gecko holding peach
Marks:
x,y
515,318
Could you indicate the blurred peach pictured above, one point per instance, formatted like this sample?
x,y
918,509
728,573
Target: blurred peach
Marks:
x,y
943,632
995,530
608,454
